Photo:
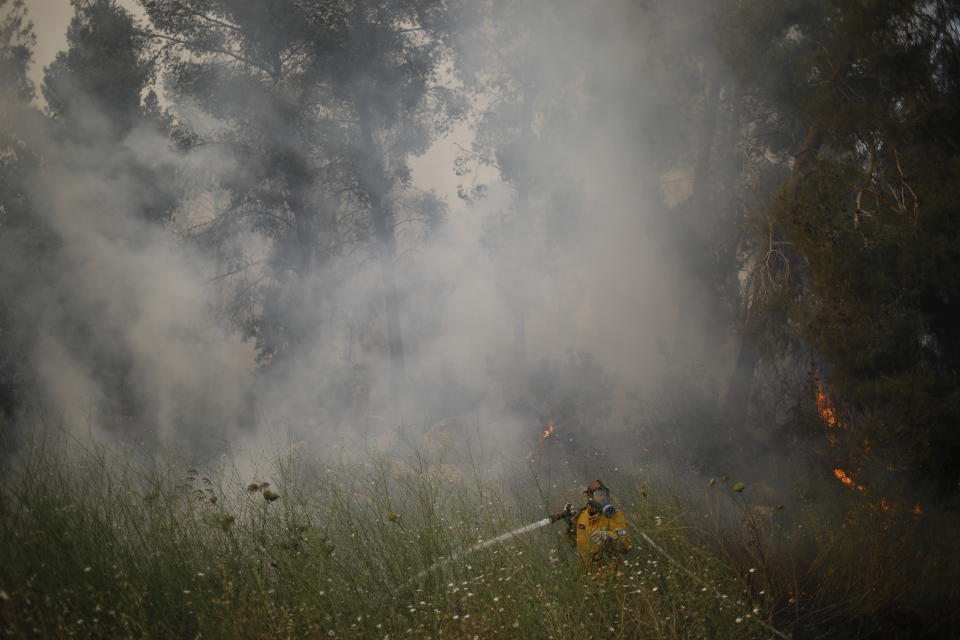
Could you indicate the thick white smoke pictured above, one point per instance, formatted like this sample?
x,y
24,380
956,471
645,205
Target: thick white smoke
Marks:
x,y
587,262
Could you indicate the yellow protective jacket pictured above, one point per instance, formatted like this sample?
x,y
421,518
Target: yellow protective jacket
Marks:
x,y
601,541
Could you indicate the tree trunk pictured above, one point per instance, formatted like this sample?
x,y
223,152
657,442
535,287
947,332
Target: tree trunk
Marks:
x,y
377,186
691,325
306,241
383,227
737,401
701,170
518,305
806,159
302,330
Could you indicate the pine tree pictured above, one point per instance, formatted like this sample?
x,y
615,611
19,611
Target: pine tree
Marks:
x,y
19,228
98,92
855,252
877,227
324,103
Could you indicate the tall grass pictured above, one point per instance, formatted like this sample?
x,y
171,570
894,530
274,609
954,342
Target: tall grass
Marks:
x,y
97,543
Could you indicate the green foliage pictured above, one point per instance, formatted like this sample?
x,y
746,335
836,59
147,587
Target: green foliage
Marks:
x,y
320,105
16,50
96,84
865,239
878,309
876,226
19,228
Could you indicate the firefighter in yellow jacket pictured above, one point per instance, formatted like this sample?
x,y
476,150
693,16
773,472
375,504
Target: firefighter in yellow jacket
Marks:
x,y
599,532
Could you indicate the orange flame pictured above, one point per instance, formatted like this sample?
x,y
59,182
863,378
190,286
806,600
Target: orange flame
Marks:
x,y
917,511
845,478
548,431
825,408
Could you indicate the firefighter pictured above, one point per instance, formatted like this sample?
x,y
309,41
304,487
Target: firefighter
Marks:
x,y
599,532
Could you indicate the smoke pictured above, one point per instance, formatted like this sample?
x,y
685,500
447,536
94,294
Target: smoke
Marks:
x,y
576,243
126,333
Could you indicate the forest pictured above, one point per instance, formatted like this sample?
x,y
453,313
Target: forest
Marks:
x,y
301,301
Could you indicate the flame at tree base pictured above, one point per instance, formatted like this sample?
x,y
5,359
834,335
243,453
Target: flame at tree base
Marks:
x,y
845,478
547,435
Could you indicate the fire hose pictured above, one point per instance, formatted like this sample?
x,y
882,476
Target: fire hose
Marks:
x,y
762,623
566,513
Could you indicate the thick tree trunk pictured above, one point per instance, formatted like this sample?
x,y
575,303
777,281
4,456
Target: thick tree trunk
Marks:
x,y
691,325
301,330
377,186
806,159
306,240
737,400
383,227
708,125
518,306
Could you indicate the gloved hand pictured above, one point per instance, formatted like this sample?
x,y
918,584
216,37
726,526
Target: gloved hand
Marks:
x,y
601,536
566,514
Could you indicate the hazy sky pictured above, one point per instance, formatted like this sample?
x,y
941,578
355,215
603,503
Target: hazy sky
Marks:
x,y
50,20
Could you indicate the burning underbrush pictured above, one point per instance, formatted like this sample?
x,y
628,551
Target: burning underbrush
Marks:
x,y
318,544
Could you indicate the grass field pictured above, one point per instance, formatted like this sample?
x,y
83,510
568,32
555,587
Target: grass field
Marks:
x,y
101,542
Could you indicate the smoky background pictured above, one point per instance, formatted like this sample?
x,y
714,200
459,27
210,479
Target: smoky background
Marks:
x,y
574,280
278,278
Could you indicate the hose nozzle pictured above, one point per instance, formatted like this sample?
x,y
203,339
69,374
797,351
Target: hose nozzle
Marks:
x,y
566,513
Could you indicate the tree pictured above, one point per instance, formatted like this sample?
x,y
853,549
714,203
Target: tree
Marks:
x,y
17,40
19,228
863,230
389,80
257,71
530,83
97,90
97,82
876,225
324,103
792,40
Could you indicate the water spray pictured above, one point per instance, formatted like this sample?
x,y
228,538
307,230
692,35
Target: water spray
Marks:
x,y
533,526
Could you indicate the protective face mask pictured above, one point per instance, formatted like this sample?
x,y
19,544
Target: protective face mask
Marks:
x,y
601,502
